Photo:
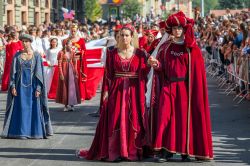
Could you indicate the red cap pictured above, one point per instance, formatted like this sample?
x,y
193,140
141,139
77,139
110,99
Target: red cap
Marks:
x,y
151,32
129,26
118,27
179,19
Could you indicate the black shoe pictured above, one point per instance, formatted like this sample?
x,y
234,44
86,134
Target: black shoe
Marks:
x,y
164,156
119,159
185,158
160,159
168,155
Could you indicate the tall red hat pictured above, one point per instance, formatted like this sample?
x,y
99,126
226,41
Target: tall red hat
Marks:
x,y
179,19
151,32
162,25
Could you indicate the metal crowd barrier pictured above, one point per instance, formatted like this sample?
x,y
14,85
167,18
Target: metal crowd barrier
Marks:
x,y
229,80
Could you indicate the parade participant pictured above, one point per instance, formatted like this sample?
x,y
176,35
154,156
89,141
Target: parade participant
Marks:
x,y
12,47
143,39
154,81
36,44
68,90
151,41
121,130
51,59
2,51
183,117
46,40
78,46
27,113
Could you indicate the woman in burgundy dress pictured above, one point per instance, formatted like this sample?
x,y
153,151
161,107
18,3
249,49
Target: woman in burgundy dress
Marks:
x,y
121,130
68,89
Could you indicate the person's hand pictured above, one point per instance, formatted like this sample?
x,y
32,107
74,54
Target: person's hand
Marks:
x,y
37,93
152,61
14,92
76,75
61,77
105,96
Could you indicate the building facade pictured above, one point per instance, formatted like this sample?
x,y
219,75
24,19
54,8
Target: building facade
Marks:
x,y
157,7
29,12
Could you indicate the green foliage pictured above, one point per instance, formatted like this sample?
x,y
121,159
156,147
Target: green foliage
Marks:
x,y
93,9
131,8
208,4
233,4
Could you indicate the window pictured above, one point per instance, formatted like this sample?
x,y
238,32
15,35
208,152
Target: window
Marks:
x,y
36,21
9,17
54,4
65,3
36,3
9,1
24,18
46,3
23,2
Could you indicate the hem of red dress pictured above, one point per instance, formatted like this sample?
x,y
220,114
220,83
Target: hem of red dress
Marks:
x,y
191,155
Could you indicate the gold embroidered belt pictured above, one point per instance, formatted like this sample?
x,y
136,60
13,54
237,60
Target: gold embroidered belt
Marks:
x,y
126,74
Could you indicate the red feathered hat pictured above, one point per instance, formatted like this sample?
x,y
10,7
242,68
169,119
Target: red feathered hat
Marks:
x,y
151,32
179,19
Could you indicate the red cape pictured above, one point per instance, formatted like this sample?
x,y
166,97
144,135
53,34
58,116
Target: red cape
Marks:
x,y
199,142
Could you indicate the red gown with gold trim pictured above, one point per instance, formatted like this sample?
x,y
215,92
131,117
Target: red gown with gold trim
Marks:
x,y
80,49
121,130
11,49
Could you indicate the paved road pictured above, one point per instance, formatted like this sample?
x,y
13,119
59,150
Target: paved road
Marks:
x,y
73,130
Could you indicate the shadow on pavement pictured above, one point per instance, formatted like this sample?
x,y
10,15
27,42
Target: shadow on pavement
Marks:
x,y
230,126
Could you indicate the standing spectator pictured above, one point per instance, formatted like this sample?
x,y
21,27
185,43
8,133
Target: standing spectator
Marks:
x,y
2,52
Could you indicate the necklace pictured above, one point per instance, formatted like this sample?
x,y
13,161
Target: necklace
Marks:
x,y
125,61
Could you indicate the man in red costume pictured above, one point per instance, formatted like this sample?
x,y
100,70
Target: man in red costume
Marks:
x,y
182,122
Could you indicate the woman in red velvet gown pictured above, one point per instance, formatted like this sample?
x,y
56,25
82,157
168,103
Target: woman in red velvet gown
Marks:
x,y
12,47
121,130
181,115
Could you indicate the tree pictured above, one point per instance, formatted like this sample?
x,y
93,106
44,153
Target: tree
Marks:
x,y
208,4
93,10
233,4
131,8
